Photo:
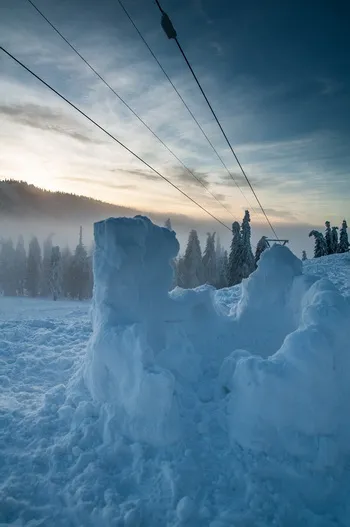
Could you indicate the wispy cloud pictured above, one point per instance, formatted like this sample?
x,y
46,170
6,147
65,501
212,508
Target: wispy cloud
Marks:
x,y
45,118
46,143
217,47
329,86
139,173
199,7
97,182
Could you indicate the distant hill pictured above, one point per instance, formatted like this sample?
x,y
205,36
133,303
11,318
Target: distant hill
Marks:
x,y
20,200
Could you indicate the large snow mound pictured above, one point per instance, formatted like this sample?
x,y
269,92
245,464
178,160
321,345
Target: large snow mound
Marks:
x,y
196,408
295,401
131,307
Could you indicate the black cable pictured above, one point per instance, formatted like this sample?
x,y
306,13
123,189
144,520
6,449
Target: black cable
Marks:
x,y
184,103
220,126
127,105
110,135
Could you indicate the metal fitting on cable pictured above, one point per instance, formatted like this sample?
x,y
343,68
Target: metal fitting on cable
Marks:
x,y
166,23
168,26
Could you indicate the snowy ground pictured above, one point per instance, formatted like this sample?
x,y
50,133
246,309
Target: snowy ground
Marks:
x,y
335,267
66,459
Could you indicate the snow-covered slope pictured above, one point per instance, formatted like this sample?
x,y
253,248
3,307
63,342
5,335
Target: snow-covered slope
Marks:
x,y
198,408
335,267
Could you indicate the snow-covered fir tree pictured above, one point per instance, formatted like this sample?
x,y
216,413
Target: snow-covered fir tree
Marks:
x,y
66,265
219,253
235,263
343,238
167,224
262,245
79,271
179,270
56,273
320,244
328,238
7,268
222,271
20,266
335,246
219,250
209,260
193,271
248,263
90,285
45,288
33,268
304,256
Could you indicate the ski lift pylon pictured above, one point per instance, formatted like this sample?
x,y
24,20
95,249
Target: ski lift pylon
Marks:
x,y
271,240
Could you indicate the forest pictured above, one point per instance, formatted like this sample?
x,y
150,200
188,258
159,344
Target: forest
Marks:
x,y
49,271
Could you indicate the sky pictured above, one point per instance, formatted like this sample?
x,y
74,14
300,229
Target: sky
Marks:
x,y
277,74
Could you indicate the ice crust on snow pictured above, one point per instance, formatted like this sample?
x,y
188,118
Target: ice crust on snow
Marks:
x,y
190,408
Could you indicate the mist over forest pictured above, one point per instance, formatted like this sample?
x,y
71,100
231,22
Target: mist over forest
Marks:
x,y
30,211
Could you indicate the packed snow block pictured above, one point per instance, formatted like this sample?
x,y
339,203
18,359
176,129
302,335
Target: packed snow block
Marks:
x,y
131,305
297,400
132,271
264,312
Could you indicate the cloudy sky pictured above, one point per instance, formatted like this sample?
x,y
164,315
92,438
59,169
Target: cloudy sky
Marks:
x,y
277,73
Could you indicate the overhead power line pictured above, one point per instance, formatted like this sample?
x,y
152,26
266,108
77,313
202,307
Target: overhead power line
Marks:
x,y
73,48
110,135
171,34
128,106
184,103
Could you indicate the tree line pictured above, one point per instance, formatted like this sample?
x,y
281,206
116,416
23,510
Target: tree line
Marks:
x,y
330,242
215,265
49,271
45,271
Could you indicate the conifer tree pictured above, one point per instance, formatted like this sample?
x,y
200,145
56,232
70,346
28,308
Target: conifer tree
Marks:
x,y
180,272
46,267
90,285
260,248
343,238
33,268
248,264
235,270
79,272
335,245
222,271
168,224
7,268
328,238
209,260
66,265
304,256
219,248
56,273
320,244
20,266
219,253
192,262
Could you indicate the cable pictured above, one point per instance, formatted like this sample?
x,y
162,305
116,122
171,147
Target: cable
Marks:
x,y
110,135
127,105
174,37
185,104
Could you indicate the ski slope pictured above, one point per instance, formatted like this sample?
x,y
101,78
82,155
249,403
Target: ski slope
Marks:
x,y
198,408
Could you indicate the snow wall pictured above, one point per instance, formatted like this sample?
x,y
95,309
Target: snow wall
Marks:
x,y
177,368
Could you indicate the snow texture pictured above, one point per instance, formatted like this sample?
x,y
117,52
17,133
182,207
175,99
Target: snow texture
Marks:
x,y
198,408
